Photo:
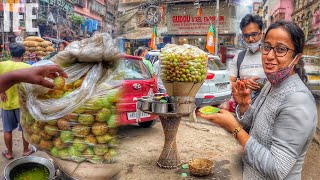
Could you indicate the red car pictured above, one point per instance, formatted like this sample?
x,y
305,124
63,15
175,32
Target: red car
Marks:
x,y
137,82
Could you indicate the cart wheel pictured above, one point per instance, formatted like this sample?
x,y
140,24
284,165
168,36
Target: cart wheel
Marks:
x,y
148,124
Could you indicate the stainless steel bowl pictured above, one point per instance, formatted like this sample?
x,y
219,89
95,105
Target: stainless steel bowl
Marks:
x,y
159,107
30,159
144,105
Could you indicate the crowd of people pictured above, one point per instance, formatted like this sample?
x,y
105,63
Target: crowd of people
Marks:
x,y
274,122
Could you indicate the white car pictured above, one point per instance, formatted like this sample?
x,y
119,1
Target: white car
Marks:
x,y
217,87
312,67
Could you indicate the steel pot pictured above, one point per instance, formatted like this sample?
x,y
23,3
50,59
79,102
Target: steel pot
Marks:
x,y
159,107
30,159
144,105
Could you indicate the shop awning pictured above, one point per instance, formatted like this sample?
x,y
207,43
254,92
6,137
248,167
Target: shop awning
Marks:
x,y
143,33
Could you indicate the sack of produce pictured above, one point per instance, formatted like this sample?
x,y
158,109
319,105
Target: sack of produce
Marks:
x,y
48,43
77,120
43,44
39,48
40,53
31,43
183,69
50,48
34,38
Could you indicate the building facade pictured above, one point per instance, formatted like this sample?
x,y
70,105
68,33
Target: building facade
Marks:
x,y
306,14
99,15
274,10
134,31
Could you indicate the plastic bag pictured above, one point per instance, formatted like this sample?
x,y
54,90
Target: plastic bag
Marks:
x,y
78,119
99,48
80,125
183,63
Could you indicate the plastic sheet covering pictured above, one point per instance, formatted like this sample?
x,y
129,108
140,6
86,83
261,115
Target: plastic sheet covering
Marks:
x,y
49,109
99,48
183,63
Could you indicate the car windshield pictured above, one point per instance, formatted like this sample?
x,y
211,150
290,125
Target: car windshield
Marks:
x,y
215,64
131,70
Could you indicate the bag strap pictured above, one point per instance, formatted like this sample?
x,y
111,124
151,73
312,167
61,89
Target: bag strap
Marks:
x,y
239,61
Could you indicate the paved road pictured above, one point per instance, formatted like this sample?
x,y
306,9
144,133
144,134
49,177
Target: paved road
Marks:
x,y
142,147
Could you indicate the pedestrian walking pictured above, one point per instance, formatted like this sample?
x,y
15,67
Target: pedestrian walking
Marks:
x,y
142,52
157,70
10,102
62,46
32,56
284,115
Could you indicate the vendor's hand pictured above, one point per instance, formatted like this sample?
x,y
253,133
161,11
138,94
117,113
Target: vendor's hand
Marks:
x,y
223,118
3,97
251,84
241,94
37,75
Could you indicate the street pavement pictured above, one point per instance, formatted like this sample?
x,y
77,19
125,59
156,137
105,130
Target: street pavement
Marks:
x,y
140,148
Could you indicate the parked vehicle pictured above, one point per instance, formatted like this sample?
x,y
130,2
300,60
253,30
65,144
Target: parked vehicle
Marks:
x,y
217,87
137,82
312,67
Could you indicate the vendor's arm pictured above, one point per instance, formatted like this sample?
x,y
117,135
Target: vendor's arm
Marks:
x,y
34,75
293,129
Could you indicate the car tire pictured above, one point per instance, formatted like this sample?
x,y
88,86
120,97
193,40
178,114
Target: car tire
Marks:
x,y
148,124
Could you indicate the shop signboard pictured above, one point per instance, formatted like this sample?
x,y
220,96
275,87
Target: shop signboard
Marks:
x,y
185,20
63,4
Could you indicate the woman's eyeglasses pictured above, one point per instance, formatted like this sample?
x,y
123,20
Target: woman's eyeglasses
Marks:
x,y
279,50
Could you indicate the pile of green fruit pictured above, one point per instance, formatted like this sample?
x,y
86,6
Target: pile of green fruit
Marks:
x,y
88,133
183,63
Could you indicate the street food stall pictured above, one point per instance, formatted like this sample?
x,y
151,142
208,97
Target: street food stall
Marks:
x,y
183,71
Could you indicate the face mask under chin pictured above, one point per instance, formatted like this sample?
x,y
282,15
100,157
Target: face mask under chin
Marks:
x,y
254,46
280,75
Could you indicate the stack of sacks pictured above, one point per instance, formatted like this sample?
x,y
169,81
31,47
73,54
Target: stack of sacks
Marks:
x,y
40,46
